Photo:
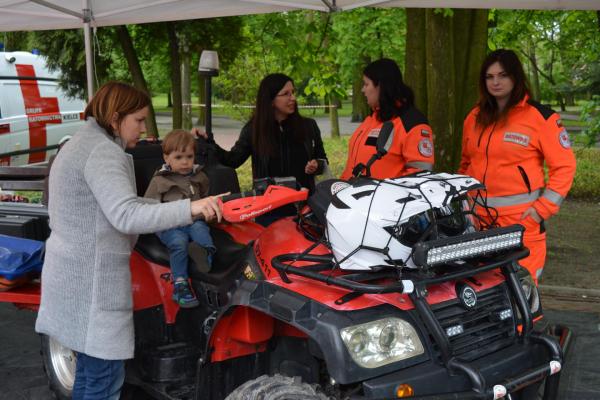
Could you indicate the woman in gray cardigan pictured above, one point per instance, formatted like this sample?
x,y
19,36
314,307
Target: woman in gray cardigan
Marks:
x,y
95,217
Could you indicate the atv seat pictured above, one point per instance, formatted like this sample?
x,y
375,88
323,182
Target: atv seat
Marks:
x,y
225,266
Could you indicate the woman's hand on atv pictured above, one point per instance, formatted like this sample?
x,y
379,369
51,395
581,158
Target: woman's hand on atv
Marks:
x,y
311,167
199,133
208,208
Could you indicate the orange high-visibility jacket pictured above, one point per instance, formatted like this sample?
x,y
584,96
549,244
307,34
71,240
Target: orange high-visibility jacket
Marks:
x,y
508,157
411,150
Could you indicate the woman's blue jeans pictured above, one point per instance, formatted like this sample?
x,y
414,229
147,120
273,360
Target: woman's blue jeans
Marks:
x,y
177,241
98,379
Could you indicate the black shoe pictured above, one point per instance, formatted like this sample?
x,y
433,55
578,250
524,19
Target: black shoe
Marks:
x,y
199,255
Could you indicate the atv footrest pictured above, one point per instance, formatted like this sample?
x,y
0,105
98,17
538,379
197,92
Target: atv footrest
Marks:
x,y
169,363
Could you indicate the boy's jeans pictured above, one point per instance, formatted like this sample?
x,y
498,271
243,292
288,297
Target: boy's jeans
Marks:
x,y
177,241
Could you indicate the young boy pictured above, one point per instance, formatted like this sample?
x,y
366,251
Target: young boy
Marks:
x,y
179,178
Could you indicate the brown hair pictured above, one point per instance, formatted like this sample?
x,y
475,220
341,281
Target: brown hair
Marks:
x,y
115,97
488,107
178,140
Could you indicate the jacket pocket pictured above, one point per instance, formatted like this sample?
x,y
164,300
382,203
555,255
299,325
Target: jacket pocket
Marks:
x,y
525,178
112,284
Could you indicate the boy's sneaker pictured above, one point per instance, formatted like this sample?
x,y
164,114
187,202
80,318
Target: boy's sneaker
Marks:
x,y
183,295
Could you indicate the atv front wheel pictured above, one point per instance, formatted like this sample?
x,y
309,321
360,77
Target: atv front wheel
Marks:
x,y
277,387
59,363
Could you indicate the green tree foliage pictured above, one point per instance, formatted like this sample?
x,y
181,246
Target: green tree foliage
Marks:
x,y
560,50
65,51
590,115
324,53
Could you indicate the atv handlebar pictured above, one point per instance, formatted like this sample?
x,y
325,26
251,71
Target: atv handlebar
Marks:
x,y
243,206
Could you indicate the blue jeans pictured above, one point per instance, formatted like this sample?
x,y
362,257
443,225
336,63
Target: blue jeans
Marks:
x,y
98,379
177,241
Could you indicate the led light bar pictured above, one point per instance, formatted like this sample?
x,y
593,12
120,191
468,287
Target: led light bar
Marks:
x,y
454,330
470,245
505,314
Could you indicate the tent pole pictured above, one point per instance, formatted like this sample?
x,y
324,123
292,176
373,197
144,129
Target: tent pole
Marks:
x,y
87,37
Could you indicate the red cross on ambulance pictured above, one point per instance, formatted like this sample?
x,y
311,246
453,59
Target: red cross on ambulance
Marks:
x,y
34,111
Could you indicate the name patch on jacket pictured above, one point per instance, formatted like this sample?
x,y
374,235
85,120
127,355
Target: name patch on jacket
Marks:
x,y
372,137
517,138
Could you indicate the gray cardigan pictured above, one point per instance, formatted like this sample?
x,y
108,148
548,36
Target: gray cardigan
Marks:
x,y
95,217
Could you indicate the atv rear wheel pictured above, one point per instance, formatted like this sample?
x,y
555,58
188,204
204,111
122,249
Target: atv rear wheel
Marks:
x,y
277,387
59,363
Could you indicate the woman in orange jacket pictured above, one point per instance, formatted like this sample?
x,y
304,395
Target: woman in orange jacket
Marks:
x,y
391,100
507,138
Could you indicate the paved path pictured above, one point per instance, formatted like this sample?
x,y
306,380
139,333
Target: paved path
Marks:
x,y
227,129
22,376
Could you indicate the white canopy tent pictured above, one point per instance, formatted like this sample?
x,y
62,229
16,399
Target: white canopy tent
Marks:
x,y
28,15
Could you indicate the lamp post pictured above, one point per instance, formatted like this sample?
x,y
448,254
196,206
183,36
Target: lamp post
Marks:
x,y
208,67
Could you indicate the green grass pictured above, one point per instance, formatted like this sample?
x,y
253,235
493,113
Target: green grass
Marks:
x,y
586,185
572,122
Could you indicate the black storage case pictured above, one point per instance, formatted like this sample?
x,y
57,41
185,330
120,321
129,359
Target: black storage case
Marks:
x,y
19,226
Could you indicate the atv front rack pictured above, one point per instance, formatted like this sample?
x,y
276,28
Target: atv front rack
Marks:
x,y
323,268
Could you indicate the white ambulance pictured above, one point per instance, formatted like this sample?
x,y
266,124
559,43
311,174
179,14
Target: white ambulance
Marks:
x,y
34,112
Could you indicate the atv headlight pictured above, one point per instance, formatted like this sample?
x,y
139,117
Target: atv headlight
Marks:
x,y
531,293
381,342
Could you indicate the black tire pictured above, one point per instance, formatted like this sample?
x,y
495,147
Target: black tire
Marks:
x,y
59,365
277,387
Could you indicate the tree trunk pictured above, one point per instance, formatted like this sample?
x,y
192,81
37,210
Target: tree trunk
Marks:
x,y
561,102
360,108
186,91
175,75
535,76
467,65
333,117
137,75
415,68
443,57
441,106
169,99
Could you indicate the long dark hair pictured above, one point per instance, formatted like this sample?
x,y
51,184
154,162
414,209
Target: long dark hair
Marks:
x,y
488,106
394,94
265,128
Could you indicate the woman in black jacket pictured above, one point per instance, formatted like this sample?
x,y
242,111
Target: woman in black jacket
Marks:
x,y
281,142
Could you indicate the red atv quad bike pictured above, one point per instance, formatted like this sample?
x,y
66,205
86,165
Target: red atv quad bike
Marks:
x,y
317,306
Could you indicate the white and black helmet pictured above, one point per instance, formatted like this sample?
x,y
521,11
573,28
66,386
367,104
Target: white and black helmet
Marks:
x,y
376,223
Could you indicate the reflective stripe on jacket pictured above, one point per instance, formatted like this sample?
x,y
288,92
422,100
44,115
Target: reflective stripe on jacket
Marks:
x,y
509,156
411,150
